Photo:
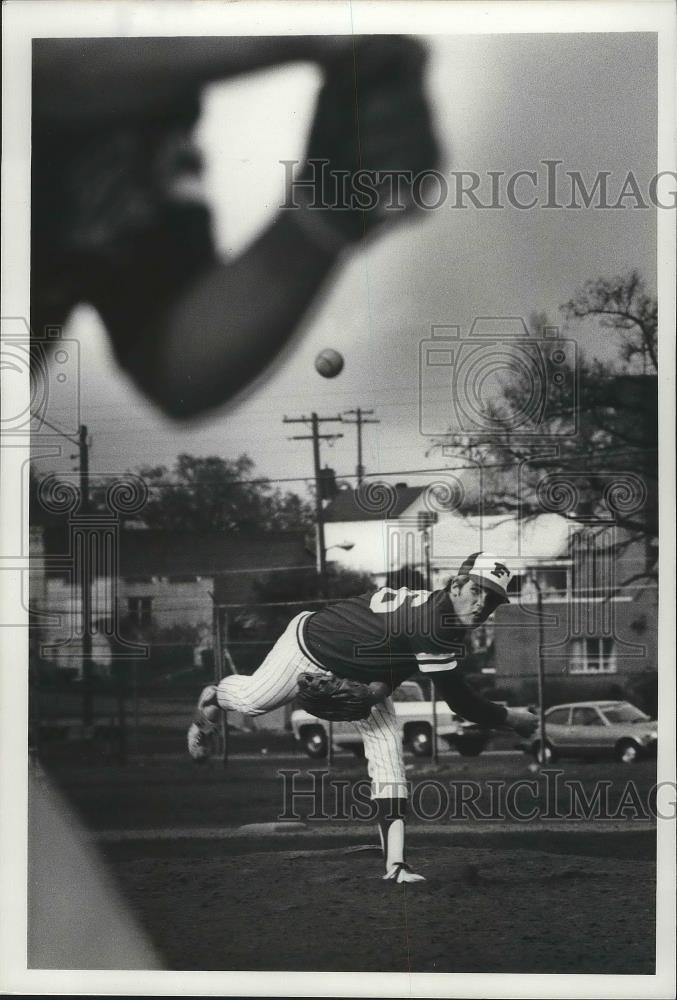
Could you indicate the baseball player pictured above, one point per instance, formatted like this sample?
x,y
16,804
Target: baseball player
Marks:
x,y
346,660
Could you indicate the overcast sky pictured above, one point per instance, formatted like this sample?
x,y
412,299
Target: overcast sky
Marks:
x,y
502,103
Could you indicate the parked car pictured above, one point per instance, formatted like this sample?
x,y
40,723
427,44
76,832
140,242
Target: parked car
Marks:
x,y
595,728
414,715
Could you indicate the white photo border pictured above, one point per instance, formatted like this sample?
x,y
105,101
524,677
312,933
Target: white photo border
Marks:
x,y
60,18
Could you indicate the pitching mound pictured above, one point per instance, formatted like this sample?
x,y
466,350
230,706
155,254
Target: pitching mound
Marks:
x,y
493,907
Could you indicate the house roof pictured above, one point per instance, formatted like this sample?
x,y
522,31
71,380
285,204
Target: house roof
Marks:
x,y
346,505
144,552
543,537
165,553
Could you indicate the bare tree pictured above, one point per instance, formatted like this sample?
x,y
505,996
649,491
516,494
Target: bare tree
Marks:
x,y
612,457
622,303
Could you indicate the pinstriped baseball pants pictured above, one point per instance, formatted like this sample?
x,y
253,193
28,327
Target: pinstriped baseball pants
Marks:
x,y
275,683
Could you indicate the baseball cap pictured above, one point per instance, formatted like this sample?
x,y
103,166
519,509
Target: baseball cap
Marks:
x,y
489,571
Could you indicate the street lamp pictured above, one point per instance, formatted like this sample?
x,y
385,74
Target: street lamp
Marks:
x,y
425,521
346,546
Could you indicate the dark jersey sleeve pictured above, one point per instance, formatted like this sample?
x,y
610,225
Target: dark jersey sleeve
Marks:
x,y
462,700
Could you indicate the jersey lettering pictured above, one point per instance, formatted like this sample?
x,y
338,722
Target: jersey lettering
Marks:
x,y
429,663
386,600
436,658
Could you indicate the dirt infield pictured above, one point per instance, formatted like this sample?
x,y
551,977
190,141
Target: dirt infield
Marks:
x,y
500,896
581,903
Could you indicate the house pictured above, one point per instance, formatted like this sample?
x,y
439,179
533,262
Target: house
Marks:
x,y
595,625
158,587
598,637
394,528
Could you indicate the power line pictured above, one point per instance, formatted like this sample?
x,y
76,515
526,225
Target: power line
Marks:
x,y
265,481
74,440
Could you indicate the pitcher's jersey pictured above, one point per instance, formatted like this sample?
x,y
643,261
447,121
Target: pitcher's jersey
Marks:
x,y
386,635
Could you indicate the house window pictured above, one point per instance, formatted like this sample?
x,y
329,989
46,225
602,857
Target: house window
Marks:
x,y
593,656
593,565
554,581
140,610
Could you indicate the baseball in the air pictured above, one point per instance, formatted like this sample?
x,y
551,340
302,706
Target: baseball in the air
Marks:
x,y
329,363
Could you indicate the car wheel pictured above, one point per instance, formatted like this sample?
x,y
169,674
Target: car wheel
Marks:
x,y
314,741
420,741
627,751
545,756
470,747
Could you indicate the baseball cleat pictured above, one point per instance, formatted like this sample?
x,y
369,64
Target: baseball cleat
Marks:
x,y
401,872
202,730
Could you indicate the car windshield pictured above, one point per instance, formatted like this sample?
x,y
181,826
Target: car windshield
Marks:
x,y
624,713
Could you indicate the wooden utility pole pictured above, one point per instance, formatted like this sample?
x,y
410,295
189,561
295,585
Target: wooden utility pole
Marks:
x,y
359,422
220,639
85,586
85,557
316,437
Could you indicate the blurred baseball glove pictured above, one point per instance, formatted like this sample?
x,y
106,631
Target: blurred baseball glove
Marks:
x,y
337,699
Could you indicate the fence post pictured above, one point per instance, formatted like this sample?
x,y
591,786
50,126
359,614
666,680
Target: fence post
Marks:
x,y
223,645
433,695
122,722
330,743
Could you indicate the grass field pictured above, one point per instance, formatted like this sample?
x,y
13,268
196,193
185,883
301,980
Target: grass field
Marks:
x,y
501,895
